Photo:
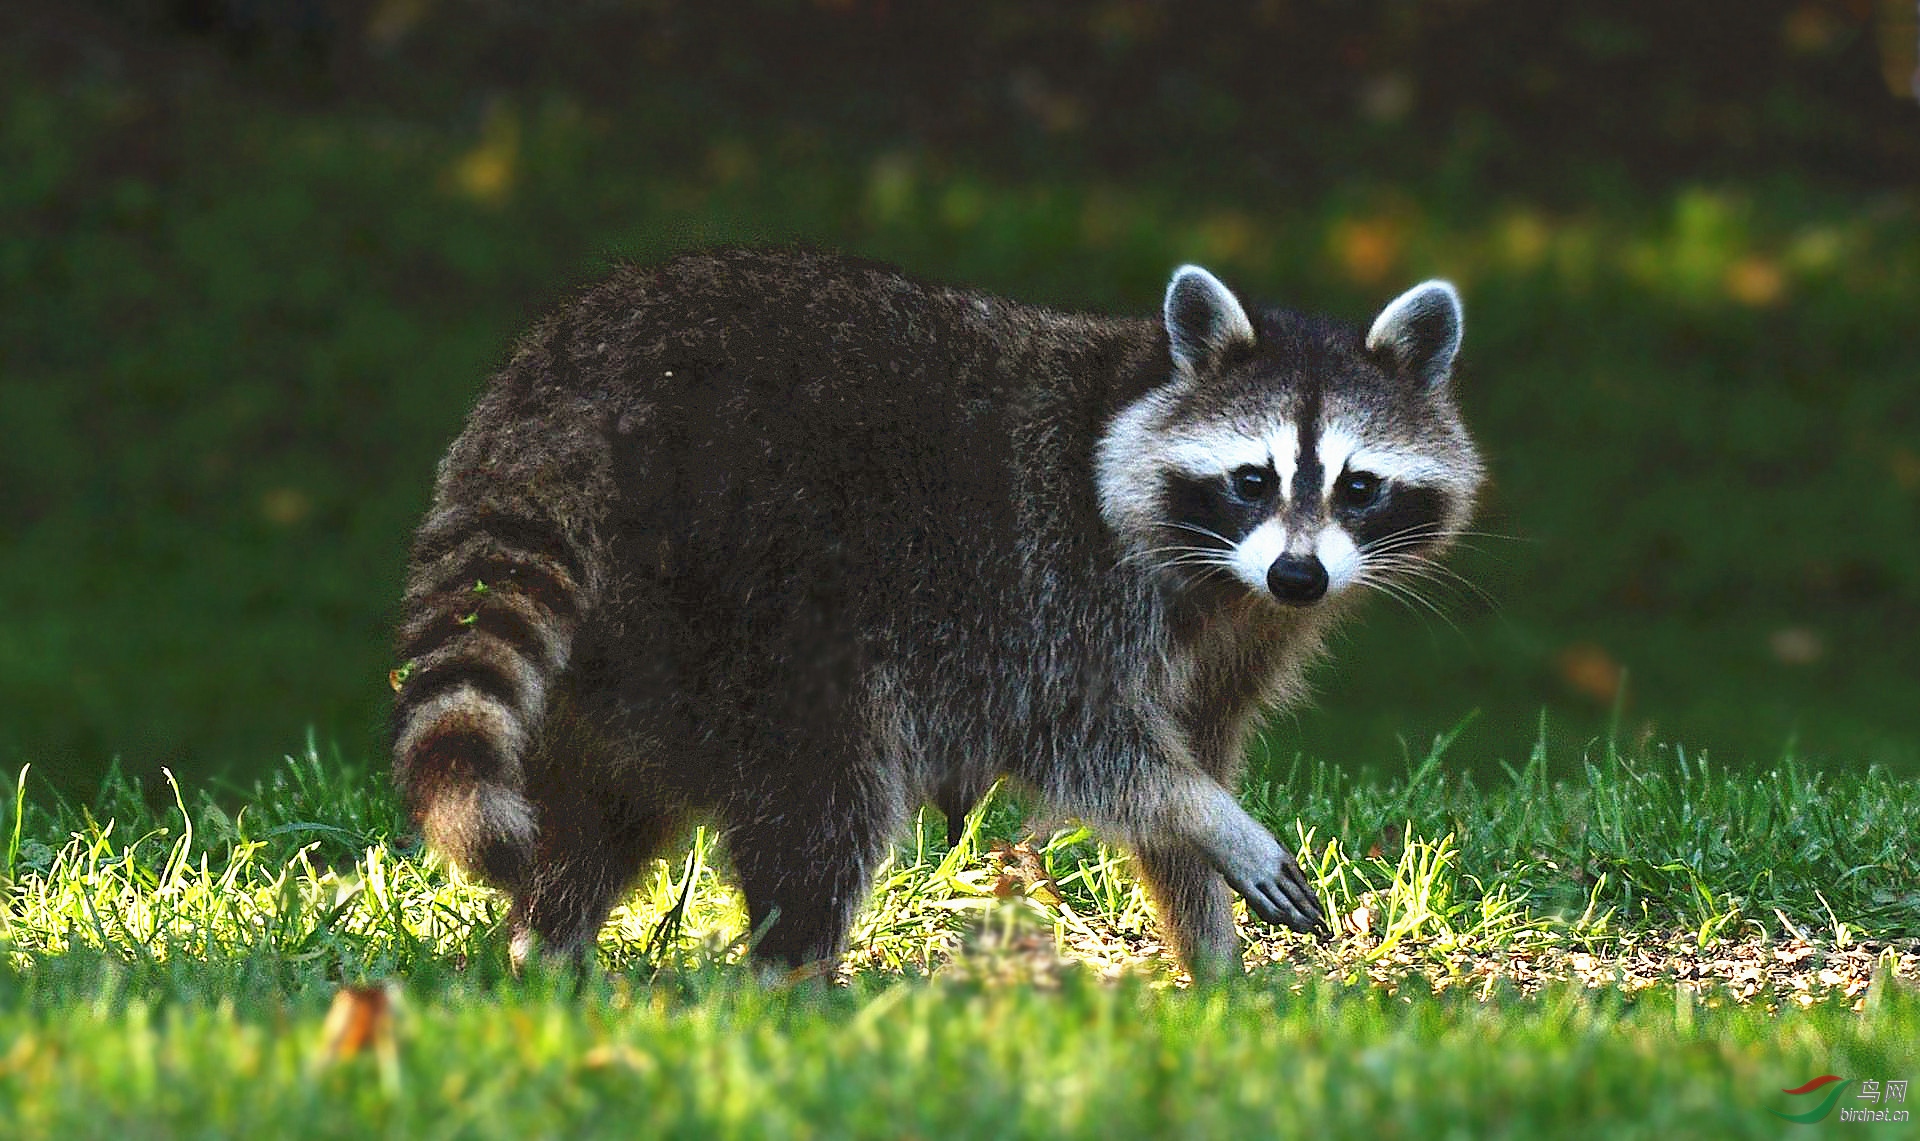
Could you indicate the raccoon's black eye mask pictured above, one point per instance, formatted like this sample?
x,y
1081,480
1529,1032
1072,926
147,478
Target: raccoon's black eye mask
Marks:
x,y
1252,485
1358,490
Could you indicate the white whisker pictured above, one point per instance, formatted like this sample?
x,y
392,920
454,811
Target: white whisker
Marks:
x,y
1199,530
1412,599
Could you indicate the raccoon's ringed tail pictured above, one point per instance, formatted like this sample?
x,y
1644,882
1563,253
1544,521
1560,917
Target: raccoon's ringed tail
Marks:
x,y
483,826
459,755
493,607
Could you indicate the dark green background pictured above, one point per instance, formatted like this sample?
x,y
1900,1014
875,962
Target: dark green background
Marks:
x,y
257,257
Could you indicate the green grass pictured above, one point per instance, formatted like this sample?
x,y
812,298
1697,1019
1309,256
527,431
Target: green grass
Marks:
x,y
927,1060
1521,957
316,867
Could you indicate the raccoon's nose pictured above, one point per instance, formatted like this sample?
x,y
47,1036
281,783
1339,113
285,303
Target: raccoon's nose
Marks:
x,y
1297,581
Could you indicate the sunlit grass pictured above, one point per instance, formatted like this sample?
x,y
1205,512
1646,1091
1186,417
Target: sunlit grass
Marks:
x,y
316,873
291,963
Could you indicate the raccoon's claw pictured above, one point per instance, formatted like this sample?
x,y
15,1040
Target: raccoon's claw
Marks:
x,y
1286,899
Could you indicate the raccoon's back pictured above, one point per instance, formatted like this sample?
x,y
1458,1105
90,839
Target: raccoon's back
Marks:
x,y
733,489
795,424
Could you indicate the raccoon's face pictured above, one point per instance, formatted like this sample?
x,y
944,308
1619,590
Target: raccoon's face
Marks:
x,y
1289,457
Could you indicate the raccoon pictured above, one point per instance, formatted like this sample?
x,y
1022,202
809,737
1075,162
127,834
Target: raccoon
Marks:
x,y
793,543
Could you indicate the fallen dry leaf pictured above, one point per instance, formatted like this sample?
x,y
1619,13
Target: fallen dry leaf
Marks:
x,y
1023,871
361,1018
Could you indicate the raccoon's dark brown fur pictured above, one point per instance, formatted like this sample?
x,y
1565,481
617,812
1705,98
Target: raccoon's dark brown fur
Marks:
x,y
792,542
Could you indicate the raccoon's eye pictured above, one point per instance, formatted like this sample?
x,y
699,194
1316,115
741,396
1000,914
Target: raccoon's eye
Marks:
x,y
1357,490
1251,484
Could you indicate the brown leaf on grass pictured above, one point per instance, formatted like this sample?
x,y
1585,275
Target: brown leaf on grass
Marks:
x,y
1012,945
360,1019
1023,871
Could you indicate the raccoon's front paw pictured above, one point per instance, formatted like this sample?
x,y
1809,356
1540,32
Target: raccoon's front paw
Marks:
x,y
1279,893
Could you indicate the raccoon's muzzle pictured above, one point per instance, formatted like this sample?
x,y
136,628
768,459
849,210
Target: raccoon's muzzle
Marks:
x,y
1297,580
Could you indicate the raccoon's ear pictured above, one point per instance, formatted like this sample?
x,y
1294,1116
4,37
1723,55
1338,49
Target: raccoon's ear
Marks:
x,y
1419,332
1205,321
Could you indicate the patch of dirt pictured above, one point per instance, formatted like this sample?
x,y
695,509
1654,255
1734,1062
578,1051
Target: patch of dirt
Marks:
x,y
1796,971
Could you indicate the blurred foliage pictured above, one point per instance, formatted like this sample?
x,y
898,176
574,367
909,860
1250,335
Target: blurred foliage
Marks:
x,y
256,257
1302,94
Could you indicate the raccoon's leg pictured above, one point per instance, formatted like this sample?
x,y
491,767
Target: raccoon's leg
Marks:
x,y
595,832
1144,788
1190,895
806,863
583,860
955,798
1194,906
1199,810
1255,864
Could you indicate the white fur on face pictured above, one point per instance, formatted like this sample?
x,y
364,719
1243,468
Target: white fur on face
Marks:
x,y
1339,555
1342,451
1221,451
1139,446
1123,468
1216,453
1253,556
1283,444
